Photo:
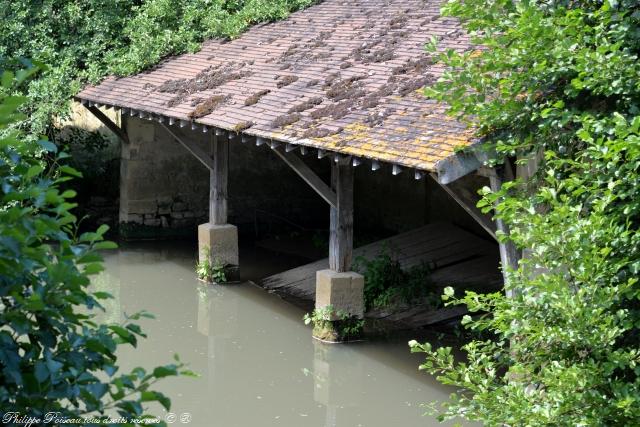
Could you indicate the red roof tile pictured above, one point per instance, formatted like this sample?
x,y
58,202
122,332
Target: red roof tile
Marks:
x,y
342,76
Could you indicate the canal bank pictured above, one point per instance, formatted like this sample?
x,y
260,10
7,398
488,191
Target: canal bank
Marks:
x,y
258,363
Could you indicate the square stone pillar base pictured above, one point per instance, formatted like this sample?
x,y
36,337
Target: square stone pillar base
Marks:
x,y
220,244
343,291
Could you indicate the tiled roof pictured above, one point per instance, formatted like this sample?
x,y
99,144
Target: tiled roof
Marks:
x,y
342,76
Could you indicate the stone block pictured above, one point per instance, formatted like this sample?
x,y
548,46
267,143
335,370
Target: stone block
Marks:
x,y
342,291
179,207
221,242
142,206
134,218
152,222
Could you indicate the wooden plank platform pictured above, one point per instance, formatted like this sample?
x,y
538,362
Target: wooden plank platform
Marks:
x,y
459,257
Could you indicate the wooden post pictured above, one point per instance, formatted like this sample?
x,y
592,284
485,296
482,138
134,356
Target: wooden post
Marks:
x,y
219,177
341,223
509,254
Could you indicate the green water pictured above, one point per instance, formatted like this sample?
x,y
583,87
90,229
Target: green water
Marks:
x,y
258,363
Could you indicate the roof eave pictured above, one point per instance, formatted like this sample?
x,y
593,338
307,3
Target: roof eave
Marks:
x,y
461,163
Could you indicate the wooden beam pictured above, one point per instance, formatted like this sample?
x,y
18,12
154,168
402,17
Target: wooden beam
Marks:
x,y
193,148
219,178
456,166
509,254
120,133
466,200
307,175
341,218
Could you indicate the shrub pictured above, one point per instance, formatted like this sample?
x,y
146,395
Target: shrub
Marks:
x,y
387,284
211,272
334,325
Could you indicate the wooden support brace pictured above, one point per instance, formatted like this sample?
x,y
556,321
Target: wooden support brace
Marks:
x,y
193,148
219,178
120,133
466,200
341,219
307,175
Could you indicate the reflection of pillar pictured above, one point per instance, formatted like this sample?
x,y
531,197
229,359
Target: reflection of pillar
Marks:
x,y
217,312
108,282
332,416
338,378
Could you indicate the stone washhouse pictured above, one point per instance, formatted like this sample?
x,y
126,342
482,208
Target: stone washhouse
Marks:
x,y
340,81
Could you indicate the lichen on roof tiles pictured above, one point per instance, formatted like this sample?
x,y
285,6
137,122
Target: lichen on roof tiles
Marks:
x,y
340,75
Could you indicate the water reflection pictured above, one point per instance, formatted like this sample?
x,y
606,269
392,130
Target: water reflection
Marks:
x,y
259,365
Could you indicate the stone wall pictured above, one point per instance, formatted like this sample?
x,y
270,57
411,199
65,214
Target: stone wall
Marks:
x,y
163,188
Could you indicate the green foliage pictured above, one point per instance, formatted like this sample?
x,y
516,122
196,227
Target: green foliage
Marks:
x,y
53,356
211,272
387,284
334,325
86,40
559,78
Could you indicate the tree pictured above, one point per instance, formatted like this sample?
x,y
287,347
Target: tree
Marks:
x,y
561,78
53,357
86,40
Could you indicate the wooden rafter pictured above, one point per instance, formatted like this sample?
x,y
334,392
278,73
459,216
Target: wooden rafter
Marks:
x,y
120,133
307,175
465,199
193,148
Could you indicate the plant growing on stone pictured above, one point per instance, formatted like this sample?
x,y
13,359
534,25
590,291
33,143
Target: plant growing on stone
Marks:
x,y
559,79
330,324
211,272
53,356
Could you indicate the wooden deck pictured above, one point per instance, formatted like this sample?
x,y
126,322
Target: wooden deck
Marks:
x,y
460,258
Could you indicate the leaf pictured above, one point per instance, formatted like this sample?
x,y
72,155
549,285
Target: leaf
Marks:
x,y
41,371
97,390
68,170
33,171
102,295
48,146
165,371
155,396
123,333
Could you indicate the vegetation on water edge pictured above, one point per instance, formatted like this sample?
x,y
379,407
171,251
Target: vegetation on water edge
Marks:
x,y
388,285
334,325
54,357
211,272
558,83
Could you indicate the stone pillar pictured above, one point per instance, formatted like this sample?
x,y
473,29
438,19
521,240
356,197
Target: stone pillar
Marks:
x,y
217,240
339,287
